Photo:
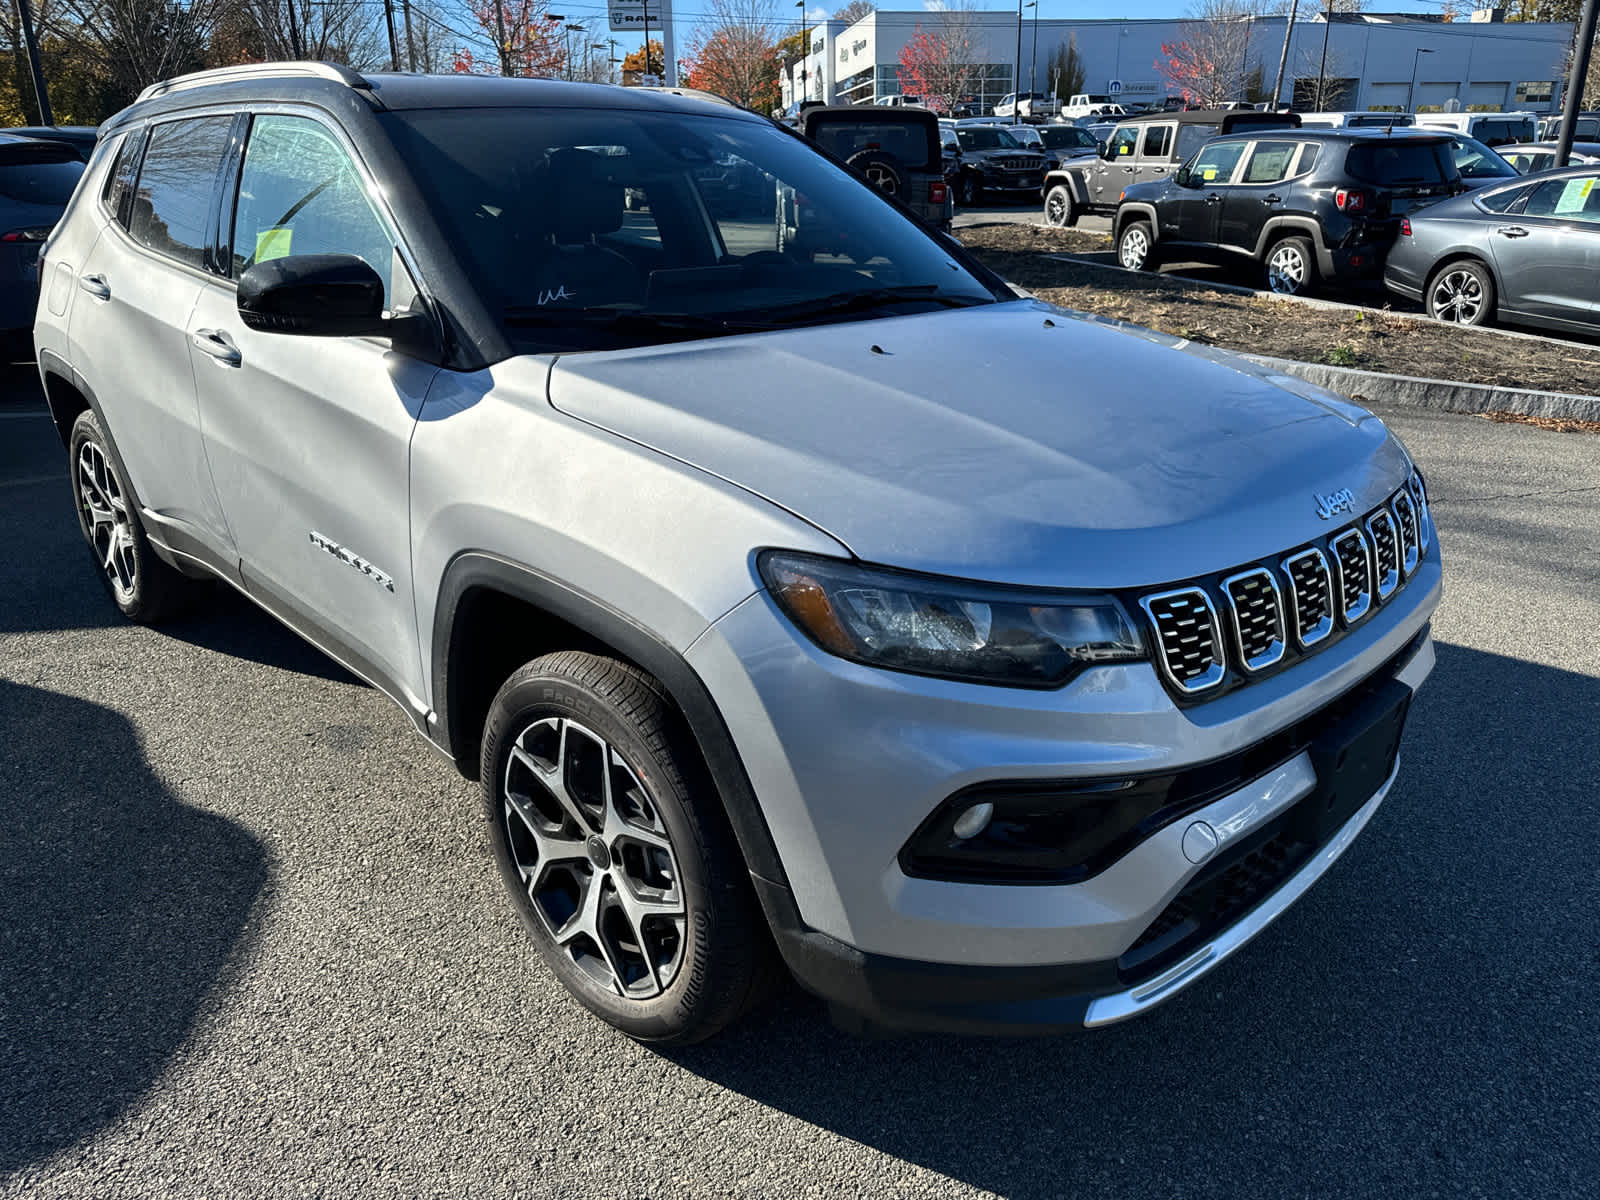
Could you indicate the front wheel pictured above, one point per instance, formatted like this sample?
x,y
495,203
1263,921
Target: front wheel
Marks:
x,y
1462,293
618,856
1136,248
1058,207
969,190
1292,266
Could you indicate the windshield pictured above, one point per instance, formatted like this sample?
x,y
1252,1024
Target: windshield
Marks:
x,y
987,137
1025,135
592,229
40,182
1067,137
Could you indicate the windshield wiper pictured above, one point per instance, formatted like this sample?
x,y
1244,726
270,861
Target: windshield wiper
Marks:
x,y
624,320
866,299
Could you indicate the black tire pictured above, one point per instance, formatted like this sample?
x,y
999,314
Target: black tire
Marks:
x,y
1136,246
713,960
883,171
969,189
1291,266
1059,208
1462,293
143,587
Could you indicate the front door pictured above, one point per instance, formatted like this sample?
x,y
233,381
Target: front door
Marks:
x,y
1200,203
1111,174
1549,254
309,437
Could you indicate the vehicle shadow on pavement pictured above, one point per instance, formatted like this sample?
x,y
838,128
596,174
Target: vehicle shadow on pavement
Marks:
x,y
1422,1022
121,912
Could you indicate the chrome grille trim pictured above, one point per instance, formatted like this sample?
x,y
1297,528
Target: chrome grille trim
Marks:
x,y
1385,552
1355,574
1310,591
1176,617
1405,520
1419,496
1256,613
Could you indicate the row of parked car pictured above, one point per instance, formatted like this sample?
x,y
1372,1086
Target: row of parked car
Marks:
x,y
1435,213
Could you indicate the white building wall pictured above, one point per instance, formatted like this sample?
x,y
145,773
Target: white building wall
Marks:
x,y
1475,64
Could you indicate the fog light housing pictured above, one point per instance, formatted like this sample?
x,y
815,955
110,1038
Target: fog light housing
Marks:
x,y
974,821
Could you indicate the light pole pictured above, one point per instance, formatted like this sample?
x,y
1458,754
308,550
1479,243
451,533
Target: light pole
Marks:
x,y
570,30
805,59
552,18
1415,59
1033,55
1016,78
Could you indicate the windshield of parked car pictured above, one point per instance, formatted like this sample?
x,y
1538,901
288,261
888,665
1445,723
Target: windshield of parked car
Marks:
x,y
986,137
1025,135
1476,161
40,182
1066,137
592,229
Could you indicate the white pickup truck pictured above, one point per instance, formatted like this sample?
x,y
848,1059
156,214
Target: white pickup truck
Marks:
x,y
1086,104
1034,104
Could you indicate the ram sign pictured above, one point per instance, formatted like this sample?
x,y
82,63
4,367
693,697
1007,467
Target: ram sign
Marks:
x,y
629,15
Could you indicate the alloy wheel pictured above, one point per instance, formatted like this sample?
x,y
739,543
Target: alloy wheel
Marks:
x,y
883,179
1135,249
1055,209
595,857
1286,270
1457,296
105,517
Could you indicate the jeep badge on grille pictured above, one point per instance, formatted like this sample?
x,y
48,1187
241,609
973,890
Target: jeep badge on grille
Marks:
x,y
1334,503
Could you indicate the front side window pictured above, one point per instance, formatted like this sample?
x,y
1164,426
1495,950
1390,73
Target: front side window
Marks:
x,y
171,205
299,193
1157,141
589,229
1566,199
1216,162
1123,142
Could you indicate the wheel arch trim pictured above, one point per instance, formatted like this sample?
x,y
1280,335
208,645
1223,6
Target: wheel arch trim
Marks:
x,y
1277,227
1127,210
475,570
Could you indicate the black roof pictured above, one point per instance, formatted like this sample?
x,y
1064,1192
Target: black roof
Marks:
x,y
336,87
1349,133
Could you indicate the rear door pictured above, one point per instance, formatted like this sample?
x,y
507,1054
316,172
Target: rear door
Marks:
x,y
1549,255
130,328
1155,151
310,436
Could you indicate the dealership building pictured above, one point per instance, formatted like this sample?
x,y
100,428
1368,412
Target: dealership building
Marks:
x,y
1370,60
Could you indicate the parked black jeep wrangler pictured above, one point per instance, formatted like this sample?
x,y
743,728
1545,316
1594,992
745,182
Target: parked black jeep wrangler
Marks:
x,y
1141,149
897,149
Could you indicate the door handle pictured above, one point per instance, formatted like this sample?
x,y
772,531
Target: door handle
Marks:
x,y
218,345
1129,170
1512,231
96,286
1272,198
1213,198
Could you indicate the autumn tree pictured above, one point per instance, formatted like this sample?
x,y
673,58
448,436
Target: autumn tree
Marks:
x,y
646,62
137,42
940,63
733,52
528,42
1206,65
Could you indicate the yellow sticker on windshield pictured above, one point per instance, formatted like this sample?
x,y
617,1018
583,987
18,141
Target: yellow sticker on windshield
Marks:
x,y
273,243
1208,174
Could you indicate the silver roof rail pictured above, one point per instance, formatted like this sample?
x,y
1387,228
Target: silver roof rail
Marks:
x,y
333,72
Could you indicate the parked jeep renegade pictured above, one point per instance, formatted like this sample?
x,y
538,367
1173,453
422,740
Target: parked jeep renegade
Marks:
x,y
796,593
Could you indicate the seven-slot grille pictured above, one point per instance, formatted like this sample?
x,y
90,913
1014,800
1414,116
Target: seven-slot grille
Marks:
x,y
1190,651
1022,164
1314,590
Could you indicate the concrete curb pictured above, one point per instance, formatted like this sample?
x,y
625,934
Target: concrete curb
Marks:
x,y
1371,387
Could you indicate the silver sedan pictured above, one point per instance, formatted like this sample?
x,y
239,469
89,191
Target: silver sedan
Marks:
x,y
1526,252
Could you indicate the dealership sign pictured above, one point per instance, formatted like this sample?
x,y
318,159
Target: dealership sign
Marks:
x,y
629,15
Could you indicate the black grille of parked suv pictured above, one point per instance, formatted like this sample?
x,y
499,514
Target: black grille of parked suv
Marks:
x,y
1209,634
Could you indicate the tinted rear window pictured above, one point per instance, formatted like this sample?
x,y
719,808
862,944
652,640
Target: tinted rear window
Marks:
x,y
908,143
39,183
1401,163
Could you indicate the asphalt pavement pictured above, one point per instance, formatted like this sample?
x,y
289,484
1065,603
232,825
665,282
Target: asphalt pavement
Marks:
x,y
251,942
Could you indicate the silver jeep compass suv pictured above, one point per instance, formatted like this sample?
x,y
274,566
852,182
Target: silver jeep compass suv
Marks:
x,y
796,592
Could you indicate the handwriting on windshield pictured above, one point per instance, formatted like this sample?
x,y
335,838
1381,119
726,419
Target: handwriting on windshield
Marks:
x,y
560,293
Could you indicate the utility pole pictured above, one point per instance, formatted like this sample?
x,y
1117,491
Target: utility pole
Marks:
x,y
1572,102
1322,71
411,41
394,45
1283,58
294,34
1016,80
46,117
1244,61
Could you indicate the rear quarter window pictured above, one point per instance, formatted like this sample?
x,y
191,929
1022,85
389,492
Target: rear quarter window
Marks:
x,y
1401,163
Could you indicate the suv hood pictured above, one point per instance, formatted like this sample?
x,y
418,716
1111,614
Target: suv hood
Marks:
x,y
1012,443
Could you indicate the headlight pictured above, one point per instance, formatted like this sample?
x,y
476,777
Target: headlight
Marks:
x,y
948,627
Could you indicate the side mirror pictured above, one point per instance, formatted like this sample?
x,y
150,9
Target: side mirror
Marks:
x,y
1105,151
322,295
1181,176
